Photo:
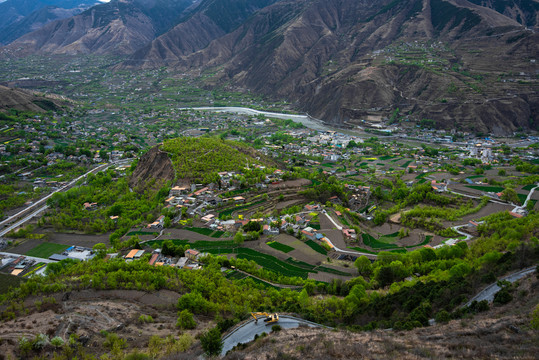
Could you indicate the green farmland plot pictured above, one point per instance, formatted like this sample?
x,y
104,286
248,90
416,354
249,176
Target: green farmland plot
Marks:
x,y
316,247
405,165
389,238
45,250
281,247
494,189
206,231
376,244
272,263
231,210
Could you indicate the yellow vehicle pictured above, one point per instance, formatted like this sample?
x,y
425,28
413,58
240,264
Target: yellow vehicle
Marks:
x,y
270,318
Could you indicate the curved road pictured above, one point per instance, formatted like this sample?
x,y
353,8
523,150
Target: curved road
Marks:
x,y
339,227
247,331
489,292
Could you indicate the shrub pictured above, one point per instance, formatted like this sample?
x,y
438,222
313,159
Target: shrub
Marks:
x,y
535,318
113,341
502,297
145,319
57,342
211,342
40,341
442,317
24,345
185,320
276,327
137,356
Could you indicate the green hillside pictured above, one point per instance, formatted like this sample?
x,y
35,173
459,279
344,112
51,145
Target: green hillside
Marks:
x,y
200,159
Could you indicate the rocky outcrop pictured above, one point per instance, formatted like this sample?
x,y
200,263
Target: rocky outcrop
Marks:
x,y
154,166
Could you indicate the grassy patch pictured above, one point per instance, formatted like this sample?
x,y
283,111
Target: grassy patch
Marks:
x,y
46,249
529,187
206,231
316,247
281,247
203,231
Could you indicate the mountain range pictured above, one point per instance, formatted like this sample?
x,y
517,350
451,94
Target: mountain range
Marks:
x,y
467,64
19,17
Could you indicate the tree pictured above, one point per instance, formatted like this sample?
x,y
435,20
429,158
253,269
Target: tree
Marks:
x,y
510,195
103,154
363,265
100,249
303,298
252,226
239,238
211,342
185,320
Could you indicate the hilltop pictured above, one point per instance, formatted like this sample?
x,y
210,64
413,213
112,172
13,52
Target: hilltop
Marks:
x,y
191,160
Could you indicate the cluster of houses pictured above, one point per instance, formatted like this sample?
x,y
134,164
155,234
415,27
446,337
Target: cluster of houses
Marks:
x,y
197,199
17,265
190,260
22,266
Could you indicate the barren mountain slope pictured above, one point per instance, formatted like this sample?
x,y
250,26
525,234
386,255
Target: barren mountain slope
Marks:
x,y
118,27
334,58
21,100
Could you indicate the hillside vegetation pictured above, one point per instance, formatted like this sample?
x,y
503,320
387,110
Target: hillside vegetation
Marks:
x,y
201,159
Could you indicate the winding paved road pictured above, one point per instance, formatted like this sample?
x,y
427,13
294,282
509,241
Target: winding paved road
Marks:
x,y
489,292
246,332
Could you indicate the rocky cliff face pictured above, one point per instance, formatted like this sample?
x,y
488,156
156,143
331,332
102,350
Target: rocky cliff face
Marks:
x,y
153,165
